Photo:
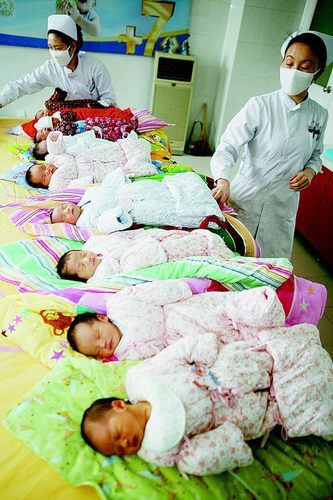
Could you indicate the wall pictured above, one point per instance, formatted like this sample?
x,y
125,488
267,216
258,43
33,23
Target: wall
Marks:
x,y
131,76
237,43
255,39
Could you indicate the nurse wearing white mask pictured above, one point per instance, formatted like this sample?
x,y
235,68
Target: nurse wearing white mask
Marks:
x,y
283,137
79,74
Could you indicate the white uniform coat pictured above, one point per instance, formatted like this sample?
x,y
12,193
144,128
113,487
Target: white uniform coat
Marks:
x,y
90,80
280,139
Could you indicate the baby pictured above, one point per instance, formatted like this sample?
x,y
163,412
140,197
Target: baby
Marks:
x,y
90,166
117,203
155,315
197,402
149,315
104,256
94,335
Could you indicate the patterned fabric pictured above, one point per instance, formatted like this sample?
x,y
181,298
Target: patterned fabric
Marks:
x,y
30,266
249,385
154,315
135,249
57,102
92,166
111,129
298,468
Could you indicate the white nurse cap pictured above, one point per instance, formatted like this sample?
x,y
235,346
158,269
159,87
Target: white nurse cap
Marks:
x,y
327,39
62,23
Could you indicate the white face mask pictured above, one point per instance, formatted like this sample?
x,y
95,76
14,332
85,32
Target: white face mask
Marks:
x,y
61,57
293,81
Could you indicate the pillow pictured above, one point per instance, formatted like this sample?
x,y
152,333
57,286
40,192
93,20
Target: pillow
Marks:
x,y
38,324
48,421
18,130
147,121
17,174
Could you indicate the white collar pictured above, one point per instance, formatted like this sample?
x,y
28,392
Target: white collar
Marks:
x,y
166,425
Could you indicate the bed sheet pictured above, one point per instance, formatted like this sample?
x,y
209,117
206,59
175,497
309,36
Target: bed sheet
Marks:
x,y
299,469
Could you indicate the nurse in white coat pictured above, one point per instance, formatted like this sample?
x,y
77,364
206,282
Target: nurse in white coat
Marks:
x,y
283,137
79,74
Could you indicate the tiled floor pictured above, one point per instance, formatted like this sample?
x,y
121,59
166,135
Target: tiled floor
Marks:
x,y
306,265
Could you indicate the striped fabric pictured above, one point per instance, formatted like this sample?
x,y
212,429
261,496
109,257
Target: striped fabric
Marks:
x,y
30,265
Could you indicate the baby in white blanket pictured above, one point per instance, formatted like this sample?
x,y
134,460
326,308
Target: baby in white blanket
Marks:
x,y
182,200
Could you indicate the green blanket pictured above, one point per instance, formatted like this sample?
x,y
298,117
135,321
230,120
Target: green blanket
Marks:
x,y
31,265
48,420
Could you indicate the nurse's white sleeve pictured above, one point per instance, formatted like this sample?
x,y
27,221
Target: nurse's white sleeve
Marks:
x,y
315,161
104,85
241,129
29,84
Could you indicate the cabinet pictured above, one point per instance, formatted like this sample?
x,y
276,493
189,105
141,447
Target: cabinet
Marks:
x,y
314,217
172,94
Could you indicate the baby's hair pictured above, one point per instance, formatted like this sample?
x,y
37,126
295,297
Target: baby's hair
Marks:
x,y
29,180
95,412
37,154
85,317
62,265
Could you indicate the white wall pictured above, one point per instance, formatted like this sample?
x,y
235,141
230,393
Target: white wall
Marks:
x,y
131,75
254,67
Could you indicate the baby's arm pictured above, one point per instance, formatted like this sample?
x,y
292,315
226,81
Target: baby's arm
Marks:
x,y
211,452
259,307
158,292
55,143
215,451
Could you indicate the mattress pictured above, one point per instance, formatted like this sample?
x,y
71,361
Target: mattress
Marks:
x,y
299,468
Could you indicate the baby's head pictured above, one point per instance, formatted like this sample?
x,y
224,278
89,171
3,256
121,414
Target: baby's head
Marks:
x,y
40,150
66,212
78,265
93,335
111,427
41,113
85,6
39,174
42,134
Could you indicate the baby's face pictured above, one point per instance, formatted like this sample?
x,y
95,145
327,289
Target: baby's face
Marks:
x,y
41,173
66,212
41,113
117,432
84,5
83,264
98,338
42,134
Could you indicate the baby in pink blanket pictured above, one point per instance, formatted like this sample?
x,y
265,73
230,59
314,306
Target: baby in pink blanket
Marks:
x,y
104,256
144,319
63,170
197,403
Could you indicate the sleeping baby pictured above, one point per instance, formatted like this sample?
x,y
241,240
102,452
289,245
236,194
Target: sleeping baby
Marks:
x,y
104,256
181,200
196,403
142,320
63,170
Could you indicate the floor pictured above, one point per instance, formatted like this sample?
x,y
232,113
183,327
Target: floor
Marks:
x,y
306,265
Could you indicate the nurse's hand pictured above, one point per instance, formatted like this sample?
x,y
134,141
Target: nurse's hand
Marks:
x,y
302,179
221,192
